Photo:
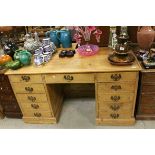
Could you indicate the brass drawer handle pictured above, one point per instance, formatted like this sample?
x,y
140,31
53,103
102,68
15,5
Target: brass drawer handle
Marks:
x,y
31,98
68,77
116,87
29,89
115,107
35,106
37,114
114,116
115,98
116,77
25,78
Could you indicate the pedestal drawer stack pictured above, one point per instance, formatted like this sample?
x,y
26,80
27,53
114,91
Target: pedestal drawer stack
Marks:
x,y
32,97
146,96
116,94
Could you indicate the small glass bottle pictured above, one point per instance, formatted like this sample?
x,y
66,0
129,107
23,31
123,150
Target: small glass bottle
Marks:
x,y
114,39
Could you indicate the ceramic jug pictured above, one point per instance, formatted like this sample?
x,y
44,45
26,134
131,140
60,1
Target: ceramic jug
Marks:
x,y
53,37
145,37
64,37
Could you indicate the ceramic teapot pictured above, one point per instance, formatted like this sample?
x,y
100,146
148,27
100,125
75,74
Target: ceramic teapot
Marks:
x,y
10,48
23,56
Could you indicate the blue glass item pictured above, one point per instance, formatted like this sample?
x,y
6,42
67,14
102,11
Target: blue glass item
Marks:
x,y
53,37
64,36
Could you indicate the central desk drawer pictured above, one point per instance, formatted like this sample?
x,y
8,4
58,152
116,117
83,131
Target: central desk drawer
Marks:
x,y
28,88
69,78
26,78
117,76
31,98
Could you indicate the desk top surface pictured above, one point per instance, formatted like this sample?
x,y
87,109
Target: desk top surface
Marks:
x,y
77,64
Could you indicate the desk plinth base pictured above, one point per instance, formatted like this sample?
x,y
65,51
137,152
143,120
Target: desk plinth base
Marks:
x,y
116,122
32,120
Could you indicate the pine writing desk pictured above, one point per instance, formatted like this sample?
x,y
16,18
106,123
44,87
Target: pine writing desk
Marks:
x,y
40,97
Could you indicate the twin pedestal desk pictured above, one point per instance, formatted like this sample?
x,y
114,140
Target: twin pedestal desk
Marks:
x,y
40,95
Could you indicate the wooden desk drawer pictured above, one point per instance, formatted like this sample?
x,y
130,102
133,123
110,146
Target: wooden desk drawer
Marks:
x,y
115,97
31,98
7,98
28,88
148,88
116,87
11,107
26,78
148,99
114,115
37,114
69,78
147,110
116,107
117,77
148,77
43,106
